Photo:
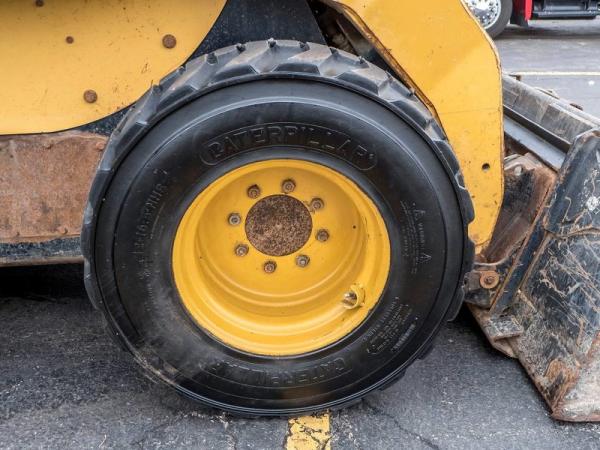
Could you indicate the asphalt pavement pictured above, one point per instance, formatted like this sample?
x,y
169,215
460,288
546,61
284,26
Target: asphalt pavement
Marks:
x,y
65,384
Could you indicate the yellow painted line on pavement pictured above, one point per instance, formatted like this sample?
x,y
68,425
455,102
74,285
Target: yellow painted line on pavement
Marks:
x,y
533,73
309,433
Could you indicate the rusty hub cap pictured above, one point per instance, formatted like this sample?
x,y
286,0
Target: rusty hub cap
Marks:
x,y
278,225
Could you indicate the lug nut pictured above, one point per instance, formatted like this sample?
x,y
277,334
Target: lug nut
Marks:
x,y
241,250
322,235
288,186
270,267
253,191
302,260
317,204
489,279
234,219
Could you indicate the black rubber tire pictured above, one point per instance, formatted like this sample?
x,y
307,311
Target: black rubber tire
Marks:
x,y
156,162
506,8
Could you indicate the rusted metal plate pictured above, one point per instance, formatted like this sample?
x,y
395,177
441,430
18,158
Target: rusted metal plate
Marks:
x,y
44,184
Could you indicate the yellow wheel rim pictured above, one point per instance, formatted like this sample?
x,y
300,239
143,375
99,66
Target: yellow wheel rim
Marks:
x,y
281,257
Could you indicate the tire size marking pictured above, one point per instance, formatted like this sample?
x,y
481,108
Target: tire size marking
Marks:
x,y
414,238
284,378
387,329
147,211
143,229
287,134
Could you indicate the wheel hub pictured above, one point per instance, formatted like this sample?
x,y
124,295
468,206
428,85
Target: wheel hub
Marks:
x,y
267,258
278,225
486,11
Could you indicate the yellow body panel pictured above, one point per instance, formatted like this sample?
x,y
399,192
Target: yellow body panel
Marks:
x,y
292,309
439,48
117,51
50,55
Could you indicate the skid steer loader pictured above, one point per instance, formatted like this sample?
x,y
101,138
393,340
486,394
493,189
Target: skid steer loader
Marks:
x,y
280,203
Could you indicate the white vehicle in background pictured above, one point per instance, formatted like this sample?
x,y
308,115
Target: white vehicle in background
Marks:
x,y
495,15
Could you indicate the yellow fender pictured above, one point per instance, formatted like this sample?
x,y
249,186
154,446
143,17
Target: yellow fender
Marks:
x,y
439,49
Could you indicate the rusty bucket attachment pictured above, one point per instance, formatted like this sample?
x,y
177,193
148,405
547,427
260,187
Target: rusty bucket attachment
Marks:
x,y
535,291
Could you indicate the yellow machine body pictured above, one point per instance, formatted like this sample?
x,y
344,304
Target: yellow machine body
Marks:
x,y
439,49
53,52
66,64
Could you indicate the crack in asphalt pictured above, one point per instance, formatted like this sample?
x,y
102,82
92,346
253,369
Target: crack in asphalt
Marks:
x,y
414,434
146,435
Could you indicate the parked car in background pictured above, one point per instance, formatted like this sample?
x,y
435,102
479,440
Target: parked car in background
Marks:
x,y
495,15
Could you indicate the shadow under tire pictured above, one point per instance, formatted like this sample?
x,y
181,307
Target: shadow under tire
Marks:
x,y
266,103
